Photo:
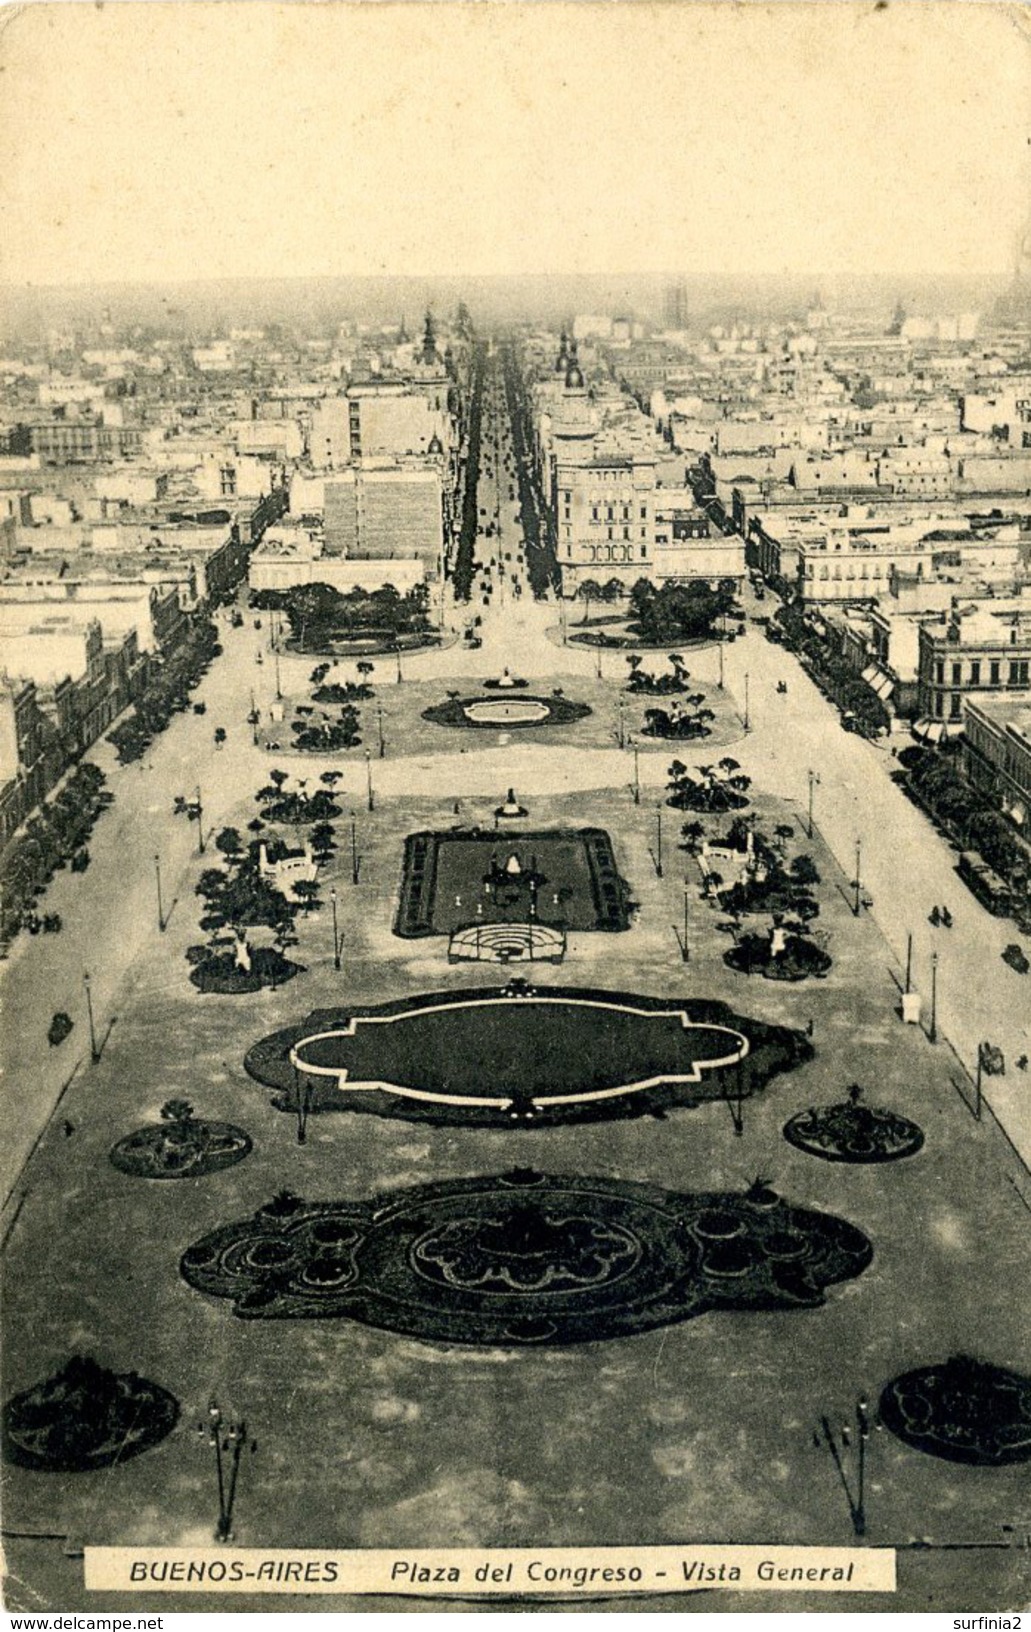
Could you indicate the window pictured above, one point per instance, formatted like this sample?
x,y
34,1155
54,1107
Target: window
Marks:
x,y
644,551
644,532
938,704
608,531
993,674
975,672
939,673
644,512
595,513
610,514
955,704
626,532
957,673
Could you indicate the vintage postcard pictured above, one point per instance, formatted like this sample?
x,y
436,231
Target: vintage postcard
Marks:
x,y
515,808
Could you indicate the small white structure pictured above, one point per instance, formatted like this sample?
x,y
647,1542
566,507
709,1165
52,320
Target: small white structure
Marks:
x,y
299,867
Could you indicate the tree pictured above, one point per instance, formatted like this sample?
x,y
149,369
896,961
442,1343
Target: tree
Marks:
x,y
220,736
589,590
694,834
306,891
230,844
179,1111
365,668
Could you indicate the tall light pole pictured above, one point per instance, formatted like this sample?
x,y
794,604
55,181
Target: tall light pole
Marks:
x,y
814,782
336,935
746,722
840,1446
719,649
370,795
658,840
161,910
94,1052
685,948
397,653
858,899
200,821
379,723
636,789
354,848
909,961
622,723
228,1440
932,1032
279,685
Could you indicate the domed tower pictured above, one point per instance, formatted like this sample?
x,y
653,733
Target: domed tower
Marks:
x,y
574,373
429,342
435,446
562,360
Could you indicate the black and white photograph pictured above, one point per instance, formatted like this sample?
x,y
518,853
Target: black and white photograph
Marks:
x,y
515,809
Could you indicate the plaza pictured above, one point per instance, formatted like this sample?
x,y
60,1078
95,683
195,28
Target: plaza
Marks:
x,y
659,1415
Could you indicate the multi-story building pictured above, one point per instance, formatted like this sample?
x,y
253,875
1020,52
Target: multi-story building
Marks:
x,y
997,753
978,647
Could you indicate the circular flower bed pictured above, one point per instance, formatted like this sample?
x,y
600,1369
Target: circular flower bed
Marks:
x,y
852,1132
85,1417
488,713
222,974
180,1150
800,959
962,1410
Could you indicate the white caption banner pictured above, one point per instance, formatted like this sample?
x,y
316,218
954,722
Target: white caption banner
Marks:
x,y
487,1572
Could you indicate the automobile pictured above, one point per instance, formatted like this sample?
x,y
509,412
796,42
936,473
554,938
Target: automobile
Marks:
x,y
849,721
200,708
1017,958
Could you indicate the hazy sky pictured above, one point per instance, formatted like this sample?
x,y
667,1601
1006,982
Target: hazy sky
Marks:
x,y
159,141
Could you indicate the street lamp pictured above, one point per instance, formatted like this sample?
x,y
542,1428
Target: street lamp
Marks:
x,y
354,848
719,649
228,1440
745,721
200,821
814,782
685,949
161,911
368,779
379,723
279,686
840,1446
397,653
858,900
336,935
658,840
932,1033
621,729
94,1052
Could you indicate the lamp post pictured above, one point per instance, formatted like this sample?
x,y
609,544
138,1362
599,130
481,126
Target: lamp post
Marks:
x,y
719,649
932,1033
637,775
858,897
253,719
814,782
228,1439
161,910
336,934
840,1447
279,685
621,729
685,949
200,821
397,653
94,1052
354,848
379,724
909,962
371,797
658,841
746,722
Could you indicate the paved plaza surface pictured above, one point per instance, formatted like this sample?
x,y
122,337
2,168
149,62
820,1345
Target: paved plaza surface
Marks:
x,y
692,1431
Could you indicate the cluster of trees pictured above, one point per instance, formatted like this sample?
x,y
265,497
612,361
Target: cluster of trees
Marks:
x,y
167,691
297,807
319,614
52,839
679,611
326,736
590,591
349,692
462,571
642,683
776,886
941,785
684,721
712,788
851,694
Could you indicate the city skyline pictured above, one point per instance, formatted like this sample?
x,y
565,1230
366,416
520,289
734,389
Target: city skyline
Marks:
x,y
162,144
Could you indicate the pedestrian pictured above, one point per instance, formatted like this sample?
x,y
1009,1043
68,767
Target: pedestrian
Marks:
x,y
67,1128
810,1026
